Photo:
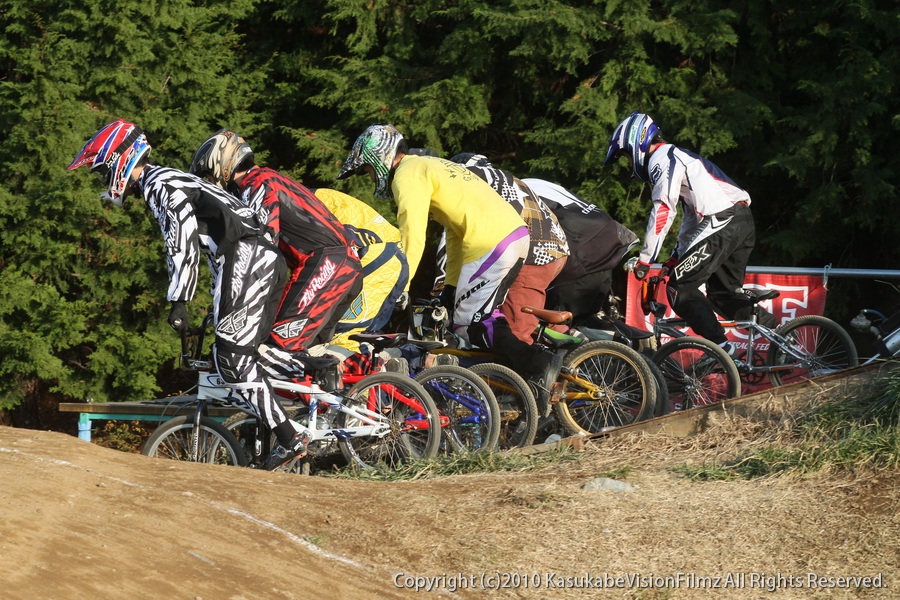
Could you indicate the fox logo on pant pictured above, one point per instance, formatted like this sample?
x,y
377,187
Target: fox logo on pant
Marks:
x,y
691,262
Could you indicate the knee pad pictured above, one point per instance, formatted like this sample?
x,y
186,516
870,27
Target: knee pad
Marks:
x,y
678,296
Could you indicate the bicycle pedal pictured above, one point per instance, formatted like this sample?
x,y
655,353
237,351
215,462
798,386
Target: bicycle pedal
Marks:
x,y
556,391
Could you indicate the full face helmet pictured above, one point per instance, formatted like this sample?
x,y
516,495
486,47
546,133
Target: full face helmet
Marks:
x,y
633,138
470,159
376,147
113,153
221,156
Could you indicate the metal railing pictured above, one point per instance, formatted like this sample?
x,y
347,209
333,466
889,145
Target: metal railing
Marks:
x,y
828,271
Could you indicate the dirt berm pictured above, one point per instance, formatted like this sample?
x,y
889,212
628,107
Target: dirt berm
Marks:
x,y
81,521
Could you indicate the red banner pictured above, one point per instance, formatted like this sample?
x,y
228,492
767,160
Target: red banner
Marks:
x,y
799,295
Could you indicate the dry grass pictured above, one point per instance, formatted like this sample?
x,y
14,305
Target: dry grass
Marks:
x,y
831,522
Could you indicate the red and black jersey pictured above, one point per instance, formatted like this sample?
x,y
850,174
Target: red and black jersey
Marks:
x,y
302,222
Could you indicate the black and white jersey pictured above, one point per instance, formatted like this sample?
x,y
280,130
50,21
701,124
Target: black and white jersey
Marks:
x,y
548,240
195,217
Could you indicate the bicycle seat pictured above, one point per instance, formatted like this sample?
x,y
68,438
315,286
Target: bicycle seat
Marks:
x,y
632,333
757,296
553,317
380,340
428,344
560,341
317,363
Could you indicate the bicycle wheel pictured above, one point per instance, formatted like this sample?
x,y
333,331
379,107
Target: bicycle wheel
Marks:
x,y
518,408
607,384
821,345
469,405
415,431
697,373
174,439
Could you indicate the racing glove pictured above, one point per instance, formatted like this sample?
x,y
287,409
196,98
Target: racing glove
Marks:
x,y
669,265
178,316
402,302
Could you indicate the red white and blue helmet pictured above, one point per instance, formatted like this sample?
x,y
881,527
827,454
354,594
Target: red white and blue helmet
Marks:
x,y
376,147
113,153
633,138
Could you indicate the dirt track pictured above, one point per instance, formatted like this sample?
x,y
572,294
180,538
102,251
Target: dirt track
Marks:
x,y
81,521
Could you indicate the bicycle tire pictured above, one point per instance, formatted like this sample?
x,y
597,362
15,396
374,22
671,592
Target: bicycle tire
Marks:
x,y
662,390
518,408
468,403
216,445
834,349
403,444
697,373
622,389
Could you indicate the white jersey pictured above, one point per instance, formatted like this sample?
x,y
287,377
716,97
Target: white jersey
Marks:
x,y
678,174
552,191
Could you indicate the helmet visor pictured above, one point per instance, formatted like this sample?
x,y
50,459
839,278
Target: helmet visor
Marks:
x,y
103,174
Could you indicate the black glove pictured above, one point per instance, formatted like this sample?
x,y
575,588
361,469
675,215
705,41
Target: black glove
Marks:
x,y
178,316
640,270
402,302
669,265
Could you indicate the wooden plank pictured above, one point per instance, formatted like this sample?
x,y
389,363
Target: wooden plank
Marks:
x,y
143,408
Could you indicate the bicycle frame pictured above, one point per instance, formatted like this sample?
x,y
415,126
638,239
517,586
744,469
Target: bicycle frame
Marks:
x,y
885,330
477,410
755,332
211,386
371,407
554,374
373,424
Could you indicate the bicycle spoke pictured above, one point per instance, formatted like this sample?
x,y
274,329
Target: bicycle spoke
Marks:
x,y
821,347
608,387
696,373
398,400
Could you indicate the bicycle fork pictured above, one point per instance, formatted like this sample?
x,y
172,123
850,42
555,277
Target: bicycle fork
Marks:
x,y
195,430
549,389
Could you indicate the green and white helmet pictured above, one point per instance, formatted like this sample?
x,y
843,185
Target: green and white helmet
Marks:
x,y
376,147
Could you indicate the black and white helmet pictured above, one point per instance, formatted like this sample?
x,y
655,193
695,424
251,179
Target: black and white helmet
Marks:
x,y
470,159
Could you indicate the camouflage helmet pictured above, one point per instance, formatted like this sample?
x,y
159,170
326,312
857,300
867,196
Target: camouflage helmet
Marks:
x,y
222,155
376,147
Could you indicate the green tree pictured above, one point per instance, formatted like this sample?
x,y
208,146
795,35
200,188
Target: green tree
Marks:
x,y
827,74
82,283
794,100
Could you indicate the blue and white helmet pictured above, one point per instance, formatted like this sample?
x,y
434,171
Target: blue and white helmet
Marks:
x,y
632,138
376,147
